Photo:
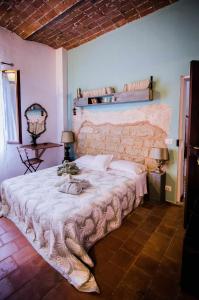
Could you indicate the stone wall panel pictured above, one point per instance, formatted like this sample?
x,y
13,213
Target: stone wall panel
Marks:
x,y
125,141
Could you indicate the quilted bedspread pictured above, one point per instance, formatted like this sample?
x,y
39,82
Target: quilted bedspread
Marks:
x,y
62,227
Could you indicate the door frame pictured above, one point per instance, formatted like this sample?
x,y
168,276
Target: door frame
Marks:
x,y
181,128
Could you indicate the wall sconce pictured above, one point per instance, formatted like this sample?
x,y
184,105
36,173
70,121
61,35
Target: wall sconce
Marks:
x,y
11,76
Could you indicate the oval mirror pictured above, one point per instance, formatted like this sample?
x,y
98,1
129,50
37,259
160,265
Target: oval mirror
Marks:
x,y
36,117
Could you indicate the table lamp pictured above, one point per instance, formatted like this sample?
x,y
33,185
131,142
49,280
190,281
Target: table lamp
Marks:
x,y
160,155
67,138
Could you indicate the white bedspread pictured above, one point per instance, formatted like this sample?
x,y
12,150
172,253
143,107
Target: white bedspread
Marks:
x,y
62,227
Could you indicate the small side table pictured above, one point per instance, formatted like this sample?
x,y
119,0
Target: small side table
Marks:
x,y
156,186
40,148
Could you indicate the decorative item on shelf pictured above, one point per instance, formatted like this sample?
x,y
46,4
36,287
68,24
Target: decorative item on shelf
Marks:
x,y
160,155
67,138
110,90
107,99
113,99
79,93
98,92
137,85
93,100
138,91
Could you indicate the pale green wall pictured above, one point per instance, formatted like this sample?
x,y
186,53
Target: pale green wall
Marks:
x,y
161,44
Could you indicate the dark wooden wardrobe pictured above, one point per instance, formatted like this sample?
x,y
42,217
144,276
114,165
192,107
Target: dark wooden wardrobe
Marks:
x,y
190,257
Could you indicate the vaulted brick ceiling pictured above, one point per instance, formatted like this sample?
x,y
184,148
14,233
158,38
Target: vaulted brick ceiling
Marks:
x,y
70,23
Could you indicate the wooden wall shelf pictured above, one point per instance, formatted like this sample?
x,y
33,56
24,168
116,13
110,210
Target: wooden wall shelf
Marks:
x,y
116,98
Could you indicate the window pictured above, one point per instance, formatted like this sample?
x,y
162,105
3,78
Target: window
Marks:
x,y
2,122
10,110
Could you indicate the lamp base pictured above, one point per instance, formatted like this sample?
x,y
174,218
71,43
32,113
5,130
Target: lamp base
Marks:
x,y
159,171
159,167
66,154
34,140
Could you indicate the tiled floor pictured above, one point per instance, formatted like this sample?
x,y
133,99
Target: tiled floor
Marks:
x,y
140,260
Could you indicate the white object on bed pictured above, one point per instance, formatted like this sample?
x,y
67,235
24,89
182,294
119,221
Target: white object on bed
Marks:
x,y
127,166
85,161
63,227
140,181
94,162
101,162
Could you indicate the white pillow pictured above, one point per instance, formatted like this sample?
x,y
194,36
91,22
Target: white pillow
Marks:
x,y
127,166
101,162
85,161
94,162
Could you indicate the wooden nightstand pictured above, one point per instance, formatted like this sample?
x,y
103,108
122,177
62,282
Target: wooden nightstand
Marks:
x,y
156,186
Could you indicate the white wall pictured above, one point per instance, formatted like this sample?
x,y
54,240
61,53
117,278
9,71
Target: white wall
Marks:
x,y
37,65
161,44
61,90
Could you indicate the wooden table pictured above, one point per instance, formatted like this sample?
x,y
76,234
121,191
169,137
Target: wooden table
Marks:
x,y
40,148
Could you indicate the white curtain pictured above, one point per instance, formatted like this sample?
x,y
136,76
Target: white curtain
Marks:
x,y
2,122
9,99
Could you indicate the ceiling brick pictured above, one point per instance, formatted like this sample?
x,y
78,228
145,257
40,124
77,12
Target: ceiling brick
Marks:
x,y
70,23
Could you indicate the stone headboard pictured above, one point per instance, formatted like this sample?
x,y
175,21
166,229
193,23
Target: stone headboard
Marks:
x,y
130,141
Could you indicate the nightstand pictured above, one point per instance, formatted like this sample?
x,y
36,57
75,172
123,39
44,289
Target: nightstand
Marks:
x,y
156,186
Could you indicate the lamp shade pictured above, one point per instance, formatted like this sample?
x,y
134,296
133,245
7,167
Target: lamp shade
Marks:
x,y
159,153
67,137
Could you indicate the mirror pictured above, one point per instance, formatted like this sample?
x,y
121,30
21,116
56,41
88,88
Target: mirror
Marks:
x,y
12,105
36,118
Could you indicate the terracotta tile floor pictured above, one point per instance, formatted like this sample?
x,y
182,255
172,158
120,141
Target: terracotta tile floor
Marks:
x,y
140,260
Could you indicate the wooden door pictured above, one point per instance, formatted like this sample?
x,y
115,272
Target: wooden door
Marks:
x,y
182,135
192,195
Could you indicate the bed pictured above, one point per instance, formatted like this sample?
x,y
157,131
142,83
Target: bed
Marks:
x,y
62,227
